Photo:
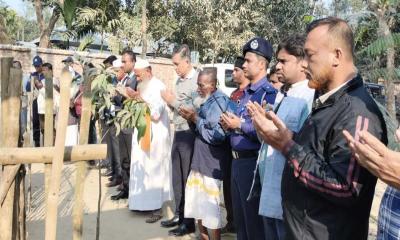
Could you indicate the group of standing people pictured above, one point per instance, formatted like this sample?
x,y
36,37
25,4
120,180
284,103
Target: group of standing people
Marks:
x,y
290,147
33,103
293,153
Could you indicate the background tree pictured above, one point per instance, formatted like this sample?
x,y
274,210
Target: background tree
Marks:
x,y
377,42
47,28
10,23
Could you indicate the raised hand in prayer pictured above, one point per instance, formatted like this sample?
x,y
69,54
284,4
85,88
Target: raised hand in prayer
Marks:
x,y
229,121
376,157
259,118
128,93
253,107
168,96
133,94
272,130
188,113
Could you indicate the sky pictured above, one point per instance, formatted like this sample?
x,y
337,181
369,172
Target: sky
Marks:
x,y
20,6
17,5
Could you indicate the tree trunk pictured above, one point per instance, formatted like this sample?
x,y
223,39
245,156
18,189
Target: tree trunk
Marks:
x,y
384,32
45,31
144,29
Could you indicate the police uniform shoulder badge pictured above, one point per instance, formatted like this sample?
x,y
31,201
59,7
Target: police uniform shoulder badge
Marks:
x,y
254,44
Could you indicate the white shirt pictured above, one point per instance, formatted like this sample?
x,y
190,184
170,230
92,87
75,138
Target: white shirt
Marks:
x,y
325,96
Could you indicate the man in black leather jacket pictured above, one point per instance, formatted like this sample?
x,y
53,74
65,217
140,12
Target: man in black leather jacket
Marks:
x,y
326,194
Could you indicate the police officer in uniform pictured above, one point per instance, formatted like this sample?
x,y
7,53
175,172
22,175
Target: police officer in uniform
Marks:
x,y
36,78
244,141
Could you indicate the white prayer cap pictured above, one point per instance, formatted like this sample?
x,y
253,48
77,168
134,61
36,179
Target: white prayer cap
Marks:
x,y
141,64
117,63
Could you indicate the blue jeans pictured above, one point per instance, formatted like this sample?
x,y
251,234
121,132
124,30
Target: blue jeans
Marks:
x,y
274,229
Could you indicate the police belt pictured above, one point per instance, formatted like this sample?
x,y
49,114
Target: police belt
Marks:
x,y
245,154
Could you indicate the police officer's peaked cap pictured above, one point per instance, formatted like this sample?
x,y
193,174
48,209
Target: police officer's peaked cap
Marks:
x,y
259,46
37,61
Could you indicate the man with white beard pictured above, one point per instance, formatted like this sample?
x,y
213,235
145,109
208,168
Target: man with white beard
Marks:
x,y
204,196
150,175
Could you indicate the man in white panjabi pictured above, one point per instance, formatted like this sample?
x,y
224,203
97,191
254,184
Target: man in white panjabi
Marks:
x,y
150,173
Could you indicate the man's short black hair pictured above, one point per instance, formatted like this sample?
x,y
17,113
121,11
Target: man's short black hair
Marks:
x,y
294,45
48,65
337,28
272,70
183,51
130,53
110,59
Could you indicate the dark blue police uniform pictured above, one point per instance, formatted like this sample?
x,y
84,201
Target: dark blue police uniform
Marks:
x,y
245,146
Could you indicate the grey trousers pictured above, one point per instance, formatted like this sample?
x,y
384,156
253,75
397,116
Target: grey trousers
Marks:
x,y
182,152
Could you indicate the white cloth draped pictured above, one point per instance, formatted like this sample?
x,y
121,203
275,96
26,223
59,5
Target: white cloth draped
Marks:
x,y
150,173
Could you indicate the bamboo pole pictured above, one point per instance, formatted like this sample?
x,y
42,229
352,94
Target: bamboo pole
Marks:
x,y
54,187
10,106
77,213
15,226
22,208
48,126
8,183
45,154
6,213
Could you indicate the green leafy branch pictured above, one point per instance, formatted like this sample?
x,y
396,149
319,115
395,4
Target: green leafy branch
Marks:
x,y
102,91
133,113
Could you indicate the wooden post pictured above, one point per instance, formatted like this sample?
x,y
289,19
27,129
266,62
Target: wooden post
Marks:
x,y
81,167
6,212
22,208
54,187
45,154
19,219
48,126
10,156
10,106
7,182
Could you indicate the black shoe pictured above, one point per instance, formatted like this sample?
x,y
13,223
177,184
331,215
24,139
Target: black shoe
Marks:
x,y
114,182
107,174
171,222
120,187
104,164
120,195
182,230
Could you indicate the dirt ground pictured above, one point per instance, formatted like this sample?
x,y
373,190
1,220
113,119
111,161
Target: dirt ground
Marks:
x,y
117,222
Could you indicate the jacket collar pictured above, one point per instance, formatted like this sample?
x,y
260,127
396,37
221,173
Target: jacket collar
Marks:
x,y
348,87
254,87
213,97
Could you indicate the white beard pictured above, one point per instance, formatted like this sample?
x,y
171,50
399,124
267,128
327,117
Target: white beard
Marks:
x,y
143,85
198,101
